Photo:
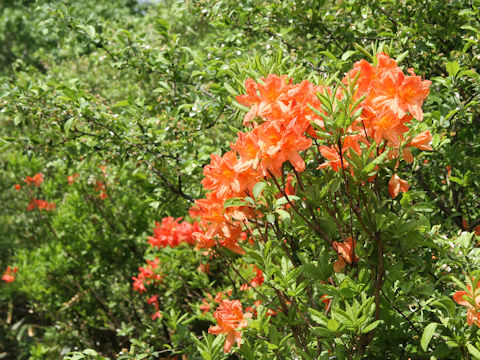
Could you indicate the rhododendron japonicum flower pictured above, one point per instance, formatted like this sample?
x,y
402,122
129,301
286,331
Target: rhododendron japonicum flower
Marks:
x,y
256,281
171,232
346,253
391,100
18,186
265,100
41,205
71,178
470,299
8,275
226,179
421,142
395,185
230,318
147,275
37,179
205,307
154,301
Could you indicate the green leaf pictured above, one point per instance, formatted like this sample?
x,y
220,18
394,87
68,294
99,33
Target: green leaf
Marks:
x,y
452,68
371,327
90,352
230,89
427,335
236,201
121,104
68,124
270,218
283,200
347,54
464,239
473,350
329,54
17,120
322,332
402,56
283,214
258,188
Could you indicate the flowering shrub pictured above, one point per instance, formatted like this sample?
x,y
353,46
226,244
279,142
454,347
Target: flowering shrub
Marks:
x,y
309,204
307,186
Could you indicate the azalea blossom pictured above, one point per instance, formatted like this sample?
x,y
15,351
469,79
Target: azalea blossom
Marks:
x,y
395,185
148,274
37,179
256,281
230,318
71,178
346,253
8,275
470,299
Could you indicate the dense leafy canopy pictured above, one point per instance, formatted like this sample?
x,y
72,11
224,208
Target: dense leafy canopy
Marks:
x,y
119,106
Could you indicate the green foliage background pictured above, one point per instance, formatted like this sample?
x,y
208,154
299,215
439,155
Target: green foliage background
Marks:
x,y
147,90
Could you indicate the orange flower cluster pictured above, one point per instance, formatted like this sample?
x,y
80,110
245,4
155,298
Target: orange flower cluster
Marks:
x,y
230,318
154,301
147,275
36,179
8,275
100,186
280,119
392,100
41,205
470,299
256,281
171,232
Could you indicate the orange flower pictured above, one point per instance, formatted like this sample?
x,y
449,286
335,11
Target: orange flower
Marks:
x,y
367,74
400,93
205,268
99,186
8,276
157,315
32,205
256,281
41,205
171,232
37,179
223,176
230,318
422,141
346,253
71,178
205,307
18,186
326,299
395,185
470,299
